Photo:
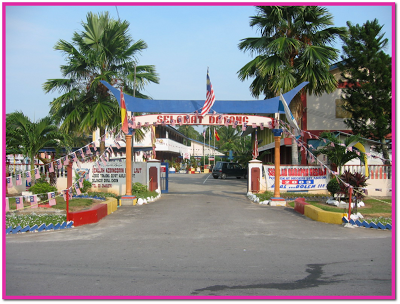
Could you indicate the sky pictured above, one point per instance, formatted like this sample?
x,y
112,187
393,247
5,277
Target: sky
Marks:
x,y
183,41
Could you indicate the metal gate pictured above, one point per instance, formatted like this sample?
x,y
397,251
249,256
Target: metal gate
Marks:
x,y
164,177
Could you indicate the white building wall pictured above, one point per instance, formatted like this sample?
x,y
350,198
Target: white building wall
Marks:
x,y
321,112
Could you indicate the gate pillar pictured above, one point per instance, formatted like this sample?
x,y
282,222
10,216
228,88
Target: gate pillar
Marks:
x,y
254,176
277,200
153,174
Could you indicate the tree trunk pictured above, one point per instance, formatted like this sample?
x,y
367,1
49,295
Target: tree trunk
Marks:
x,y
385,151
102,132
296,107
33,180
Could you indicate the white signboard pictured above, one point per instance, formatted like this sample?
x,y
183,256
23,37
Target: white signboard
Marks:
x,y
112,177
297,178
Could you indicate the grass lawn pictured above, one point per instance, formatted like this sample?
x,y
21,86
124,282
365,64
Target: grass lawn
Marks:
x,y
372,211
74,204
32,216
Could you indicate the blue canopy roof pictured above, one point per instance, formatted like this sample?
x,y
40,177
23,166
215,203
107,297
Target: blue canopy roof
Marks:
x,y
266,106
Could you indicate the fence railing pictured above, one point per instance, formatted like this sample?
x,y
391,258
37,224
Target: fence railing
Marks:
x,y
14,169
375,171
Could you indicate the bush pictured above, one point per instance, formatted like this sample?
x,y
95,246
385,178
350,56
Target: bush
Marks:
x,y
138,188
86,184
333,186
42,189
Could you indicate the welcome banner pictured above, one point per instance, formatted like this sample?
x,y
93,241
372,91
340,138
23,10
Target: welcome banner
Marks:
x,y
298,178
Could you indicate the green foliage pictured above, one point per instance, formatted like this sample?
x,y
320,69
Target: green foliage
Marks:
x,y
294,47
367,74
265,196
190,132
146,194
138,188
103,50
86,184
338,154
103,194
42,189
26,137
333,186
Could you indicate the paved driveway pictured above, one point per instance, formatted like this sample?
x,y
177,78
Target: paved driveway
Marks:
x,y
204,238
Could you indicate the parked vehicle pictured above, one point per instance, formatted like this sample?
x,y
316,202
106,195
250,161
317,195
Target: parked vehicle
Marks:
x,y
226,169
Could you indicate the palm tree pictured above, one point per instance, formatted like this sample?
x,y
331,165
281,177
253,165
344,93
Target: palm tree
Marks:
x,y
26,137
102,51
230,139
293,48
338,153
189,131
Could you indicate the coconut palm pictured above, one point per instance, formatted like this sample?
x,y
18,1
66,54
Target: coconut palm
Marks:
x,y
102,51
338,153
26,137
294,47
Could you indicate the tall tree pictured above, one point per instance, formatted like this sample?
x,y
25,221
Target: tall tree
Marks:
x,y
294,47
27,138
367,75
104,50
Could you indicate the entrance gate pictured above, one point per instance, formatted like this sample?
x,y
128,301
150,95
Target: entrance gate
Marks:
x,y
164,177
237,117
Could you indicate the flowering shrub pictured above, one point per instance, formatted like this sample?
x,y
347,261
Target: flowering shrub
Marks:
x,y
33,219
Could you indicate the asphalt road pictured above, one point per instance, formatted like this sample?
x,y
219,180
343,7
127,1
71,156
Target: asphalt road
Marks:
x,y
204,238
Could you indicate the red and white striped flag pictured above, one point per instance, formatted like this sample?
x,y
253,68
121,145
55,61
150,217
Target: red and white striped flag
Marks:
x,y
18,178
210,97
28,176
78,191
20,202
9,182
51,168
64,192
37,173
59,164
255,146
66,160
33,201
52,198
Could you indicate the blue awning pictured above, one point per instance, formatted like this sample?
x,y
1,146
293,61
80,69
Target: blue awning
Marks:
x,y
266,106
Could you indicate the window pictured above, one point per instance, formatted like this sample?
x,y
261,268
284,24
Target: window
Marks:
x,y
340,112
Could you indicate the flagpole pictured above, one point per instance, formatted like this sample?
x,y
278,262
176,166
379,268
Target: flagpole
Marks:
x,y
209,145
214,147
204,156
133,132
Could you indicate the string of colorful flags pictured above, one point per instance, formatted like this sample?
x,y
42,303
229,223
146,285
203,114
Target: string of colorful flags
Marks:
x,y
84,154
312,157
51,197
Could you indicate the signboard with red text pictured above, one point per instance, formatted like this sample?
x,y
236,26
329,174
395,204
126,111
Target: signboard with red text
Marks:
x,y
297,178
